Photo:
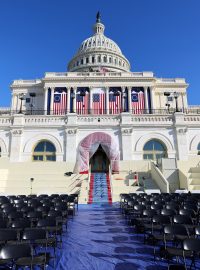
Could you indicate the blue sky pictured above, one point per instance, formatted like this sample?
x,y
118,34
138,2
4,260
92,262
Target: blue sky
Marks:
x,y
37,36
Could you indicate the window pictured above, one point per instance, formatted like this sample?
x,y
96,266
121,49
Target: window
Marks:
x,y
0,151
81,61
105,59
99,58
92,59
154,150
198,148
87,60
44,151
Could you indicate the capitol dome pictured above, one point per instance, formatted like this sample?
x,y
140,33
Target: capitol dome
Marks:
x,y
99,53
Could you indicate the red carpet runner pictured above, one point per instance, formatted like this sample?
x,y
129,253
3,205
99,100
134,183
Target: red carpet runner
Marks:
x,y
100,189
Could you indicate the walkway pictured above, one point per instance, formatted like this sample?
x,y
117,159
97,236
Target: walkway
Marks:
x,y
98,239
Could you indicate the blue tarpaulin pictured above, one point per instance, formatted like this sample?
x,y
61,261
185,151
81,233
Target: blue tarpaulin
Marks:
x,y
99,238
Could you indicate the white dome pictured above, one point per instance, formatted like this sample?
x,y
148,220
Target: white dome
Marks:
x,y
101,42
98,52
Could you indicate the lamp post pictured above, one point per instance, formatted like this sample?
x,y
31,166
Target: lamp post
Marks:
x,y
167,94
176,95
32,95
167,105
21,97
31,182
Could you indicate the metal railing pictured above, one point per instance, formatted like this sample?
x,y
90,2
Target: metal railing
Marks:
x,y
85,112
99,112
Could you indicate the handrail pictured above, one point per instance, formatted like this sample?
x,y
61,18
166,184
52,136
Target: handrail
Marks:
x,y
110,177
159,178
89,176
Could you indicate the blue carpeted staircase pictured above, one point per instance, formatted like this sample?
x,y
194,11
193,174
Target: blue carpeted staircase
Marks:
x,y
100,188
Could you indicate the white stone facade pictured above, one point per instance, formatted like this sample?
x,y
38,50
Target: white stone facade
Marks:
x,y
31,117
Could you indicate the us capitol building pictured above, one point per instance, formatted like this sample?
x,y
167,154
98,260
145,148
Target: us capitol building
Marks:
x,y
99,116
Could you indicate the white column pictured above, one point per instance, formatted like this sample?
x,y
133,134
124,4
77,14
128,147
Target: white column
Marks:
x,y
146,100
152,98
45,100
74,100
90,93
16,138
129,100
68,99
107,100
122,97
52,99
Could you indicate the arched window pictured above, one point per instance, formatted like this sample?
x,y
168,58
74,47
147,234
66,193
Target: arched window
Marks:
x,y
105,59
44,151
198,149
154,150
99,58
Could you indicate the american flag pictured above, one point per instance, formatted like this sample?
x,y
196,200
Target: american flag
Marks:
x,y
82,103
137,101
115,103
99,103
60,103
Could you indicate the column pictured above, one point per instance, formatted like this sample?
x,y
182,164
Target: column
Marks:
x,y
107,100
126,136
70,140
129,100
152,99
52,100
180,136
146,100
45,100
16,138
90,106
74,99
68,99
124,97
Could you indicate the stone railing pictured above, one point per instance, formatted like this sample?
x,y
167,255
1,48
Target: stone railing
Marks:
x,y
192,118
99,74
158,119
159,178
5,120
99,120
44,120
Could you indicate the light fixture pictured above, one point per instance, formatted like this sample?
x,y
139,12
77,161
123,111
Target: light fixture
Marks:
x,y
116,93
176,95
21,97
82,93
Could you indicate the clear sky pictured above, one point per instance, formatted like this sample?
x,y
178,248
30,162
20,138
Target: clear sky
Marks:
x,y
38,36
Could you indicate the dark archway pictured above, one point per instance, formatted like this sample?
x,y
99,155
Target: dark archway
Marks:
x,y
88,146
99,162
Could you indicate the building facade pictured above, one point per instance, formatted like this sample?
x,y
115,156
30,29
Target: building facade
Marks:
x,y
99,102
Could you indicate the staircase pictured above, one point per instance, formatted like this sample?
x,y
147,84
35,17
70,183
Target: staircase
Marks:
x,y
100,190
194,179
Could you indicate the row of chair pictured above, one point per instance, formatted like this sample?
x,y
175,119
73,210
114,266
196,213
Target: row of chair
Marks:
x,y
31,228
169,222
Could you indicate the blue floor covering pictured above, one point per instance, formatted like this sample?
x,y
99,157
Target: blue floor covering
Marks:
x,y
98,238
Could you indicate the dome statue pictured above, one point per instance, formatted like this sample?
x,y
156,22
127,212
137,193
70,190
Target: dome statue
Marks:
x,y
98,53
